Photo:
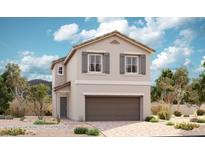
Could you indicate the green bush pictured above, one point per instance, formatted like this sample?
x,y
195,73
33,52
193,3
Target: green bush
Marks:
x,y
48,113
169,123
13,131
186,115
43,122
177,113
154,120
93,132
193,120
201,121
148,118
186,126
164,114
80,130
200,112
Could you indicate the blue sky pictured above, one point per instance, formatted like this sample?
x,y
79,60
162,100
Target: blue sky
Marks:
x,y
34,42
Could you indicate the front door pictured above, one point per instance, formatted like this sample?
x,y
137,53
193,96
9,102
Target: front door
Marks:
x,y
63,107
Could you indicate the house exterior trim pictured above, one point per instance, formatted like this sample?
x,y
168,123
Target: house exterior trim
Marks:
x,y
104,82
113,94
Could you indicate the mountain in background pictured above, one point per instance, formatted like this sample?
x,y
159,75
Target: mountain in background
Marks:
x,y
39,81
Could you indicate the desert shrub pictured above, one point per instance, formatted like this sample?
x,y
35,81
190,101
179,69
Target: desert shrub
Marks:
x,y
2,116
58,119
93,132
201,121
148,118
44,122
200,112
164,115
22,118
177,113
186,126
186,115
17,108
193,120
48,113
169,123
155,109
13,131
40,117
80,130
9,117
154,120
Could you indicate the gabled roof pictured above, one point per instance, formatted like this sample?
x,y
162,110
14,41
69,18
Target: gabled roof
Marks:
x,y
57,61
62,86
114,33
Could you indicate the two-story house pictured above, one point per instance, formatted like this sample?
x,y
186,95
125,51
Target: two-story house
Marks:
x,y
103,79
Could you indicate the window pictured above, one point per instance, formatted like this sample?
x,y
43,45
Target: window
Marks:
x,y
131,64
94,63
60,70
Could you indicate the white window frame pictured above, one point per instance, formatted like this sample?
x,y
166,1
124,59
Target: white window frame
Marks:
x,y
137,72
62,70
101,60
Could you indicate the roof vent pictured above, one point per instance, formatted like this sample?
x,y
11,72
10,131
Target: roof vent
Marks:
x,y
114,42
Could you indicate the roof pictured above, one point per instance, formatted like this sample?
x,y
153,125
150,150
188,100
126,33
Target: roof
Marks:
x,y
62,86
113,33
57,61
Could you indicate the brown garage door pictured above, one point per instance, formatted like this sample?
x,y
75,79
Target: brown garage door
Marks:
x,y
112,108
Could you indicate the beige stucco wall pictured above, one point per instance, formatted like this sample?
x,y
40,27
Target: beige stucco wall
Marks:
x,y
114,50
58,79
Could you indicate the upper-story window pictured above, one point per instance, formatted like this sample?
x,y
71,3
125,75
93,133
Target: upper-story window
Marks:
x,y
60,70
131,64
94,63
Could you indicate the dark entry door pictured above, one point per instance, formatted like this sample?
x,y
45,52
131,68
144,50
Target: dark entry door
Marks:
x,y
63,106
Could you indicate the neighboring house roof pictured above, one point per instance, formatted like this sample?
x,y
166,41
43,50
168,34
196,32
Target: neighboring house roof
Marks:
x,y
57,61
114,33
62,86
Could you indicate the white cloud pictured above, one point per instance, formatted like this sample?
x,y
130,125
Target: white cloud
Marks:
x,y
180,50
109,19
66,32
187,62
32,66
152,33
87,19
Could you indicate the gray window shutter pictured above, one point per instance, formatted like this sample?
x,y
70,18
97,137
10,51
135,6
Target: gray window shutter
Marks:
x,y
122,63
106,63
142,64
84,62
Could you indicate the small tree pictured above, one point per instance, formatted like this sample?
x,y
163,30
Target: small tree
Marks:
x,y
5,96
13,80
180,84
38,95
165,83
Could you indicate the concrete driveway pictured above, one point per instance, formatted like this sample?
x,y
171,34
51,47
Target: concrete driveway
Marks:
x,y
141,128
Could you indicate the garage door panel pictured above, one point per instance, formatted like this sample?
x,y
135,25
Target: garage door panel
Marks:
x,y
112,108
